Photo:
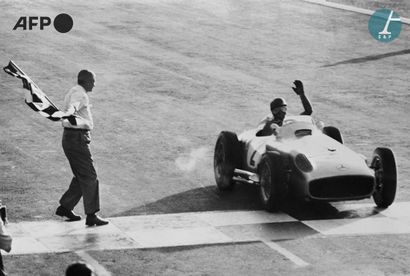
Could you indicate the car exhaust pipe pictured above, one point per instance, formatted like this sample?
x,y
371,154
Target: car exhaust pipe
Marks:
x,y
245,176
243,180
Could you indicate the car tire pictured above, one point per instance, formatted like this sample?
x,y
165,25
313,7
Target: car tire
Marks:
x,y
272,182
227,157
334,133
385,171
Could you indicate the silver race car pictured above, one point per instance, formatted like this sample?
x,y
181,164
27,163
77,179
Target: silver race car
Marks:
x,y
306,161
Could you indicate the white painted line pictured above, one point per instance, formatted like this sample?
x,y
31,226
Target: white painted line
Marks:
x,y
98,269
404,20
242,217
398,210
196,228
27,245
292,257
155,238
366,226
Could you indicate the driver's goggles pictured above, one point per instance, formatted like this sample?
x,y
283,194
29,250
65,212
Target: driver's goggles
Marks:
x,y
282,108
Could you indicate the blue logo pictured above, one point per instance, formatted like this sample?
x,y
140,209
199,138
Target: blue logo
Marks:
x,y
385,25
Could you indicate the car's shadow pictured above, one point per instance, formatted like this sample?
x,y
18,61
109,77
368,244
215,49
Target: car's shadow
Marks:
x,y
209,198
246,197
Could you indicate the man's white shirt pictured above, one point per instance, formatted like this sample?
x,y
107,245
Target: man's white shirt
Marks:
x,y
76,102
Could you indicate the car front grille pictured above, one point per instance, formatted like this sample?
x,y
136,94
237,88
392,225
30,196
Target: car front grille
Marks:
x,y
341,187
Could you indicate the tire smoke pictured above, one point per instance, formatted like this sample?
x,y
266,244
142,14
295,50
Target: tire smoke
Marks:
x,y
188,163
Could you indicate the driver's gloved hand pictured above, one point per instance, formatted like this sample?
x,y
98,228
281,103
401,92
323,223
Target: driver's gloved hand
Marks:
x,y
298,87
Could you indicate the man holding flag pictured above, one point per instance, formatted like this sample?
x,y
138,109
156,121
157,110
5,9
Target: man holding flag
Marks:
x,y
76,140
77,122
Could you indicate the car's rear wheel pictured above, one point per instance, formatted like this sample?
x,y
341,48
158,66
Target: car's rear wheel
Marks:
x,y
385,172
272,182
226,159
334,133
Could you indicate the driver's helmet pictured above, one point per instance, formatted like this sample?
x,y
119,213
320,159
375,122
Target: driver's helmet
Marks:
x,y
278,102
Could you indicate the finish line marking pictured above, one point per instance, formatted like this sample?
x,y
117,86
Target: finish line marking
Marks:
x,y
98,269
404,20
292,257
206,228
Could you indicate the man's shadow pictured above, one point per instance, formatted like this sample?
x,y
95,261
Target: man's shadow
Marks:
x,y
245,197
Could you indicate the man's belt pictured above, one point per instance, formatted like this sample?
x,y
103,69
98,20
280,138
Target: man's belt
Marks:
x,y
75,129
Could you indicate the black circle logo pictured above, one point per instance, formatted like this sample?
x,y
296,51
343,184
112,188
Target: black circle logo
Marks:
x,y
63,23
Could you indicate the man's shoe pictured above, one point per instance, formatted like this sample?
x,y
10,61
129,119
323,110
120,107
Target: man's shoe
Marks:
x,y
63,212
92,220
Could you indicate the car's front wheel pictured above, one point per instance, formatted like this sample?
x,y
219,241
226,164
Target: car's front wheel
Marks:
x,y
272,182
385,173
226,159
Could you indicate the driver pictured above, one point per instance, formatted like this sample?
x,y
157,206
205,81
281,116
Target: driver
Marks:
x,y
278,108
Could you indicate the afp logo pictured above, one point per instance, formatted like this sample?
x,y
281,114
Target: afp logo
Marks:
x,y
63,23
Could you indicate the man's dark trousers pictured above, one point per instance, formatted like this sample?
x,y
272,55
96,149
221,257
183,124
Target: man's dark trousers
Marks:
x,y
84,183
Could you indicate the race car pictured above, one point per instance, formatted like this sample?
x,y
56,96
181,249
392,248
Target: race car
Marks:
x,y
303,160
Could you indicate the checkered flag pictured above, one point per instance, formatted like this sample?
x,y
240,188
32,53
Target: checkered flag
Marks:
x,y
37,99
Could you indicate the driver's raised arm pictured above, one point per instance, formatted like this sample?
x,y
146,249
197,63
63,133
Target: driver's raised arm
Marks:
x,y
305,101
